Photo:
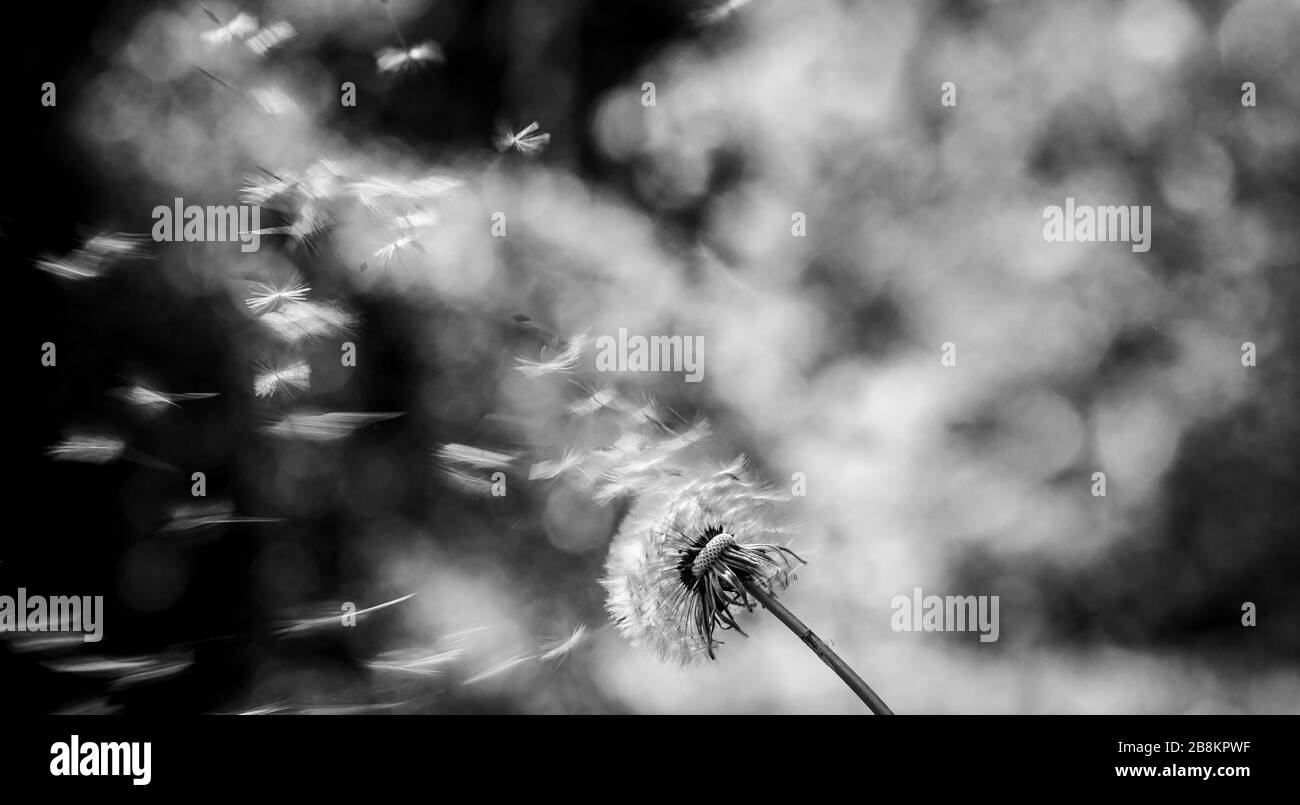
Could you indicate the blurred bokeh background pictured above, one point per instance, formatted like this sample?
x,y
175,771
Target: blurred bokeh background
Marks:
x,y
822,353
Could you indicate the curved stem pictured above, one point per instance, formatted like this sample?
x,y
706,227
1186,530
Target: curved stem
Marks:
x,y
818,647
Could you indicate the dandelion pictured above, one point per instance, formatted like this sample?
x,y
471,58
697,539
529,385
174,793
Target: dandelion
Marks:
x,y
395,59
693,556
528,141
270,380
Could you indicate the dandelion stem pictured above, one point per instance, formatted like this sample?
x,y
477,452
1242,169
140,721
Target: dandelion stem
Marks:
x,y
819,647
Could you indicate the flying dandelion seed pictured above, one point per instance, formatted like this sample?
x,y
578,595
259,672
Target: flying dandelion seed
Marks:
x,y
325,427
270,37
557,652
164,668
44,643
467,482
305,320
265,296
269,380
691,556
600,398
428,187
420,662
648,413
94,707
394,59
88,448
718,13
92,448
393,250
193,516
125,671
238,28
344,709
114,244
292,708
95,257
416,219
309,219
530,140
273,101
553,468
500,668
566,361
259,190
475,457
154,402
635,462
335,618
66,268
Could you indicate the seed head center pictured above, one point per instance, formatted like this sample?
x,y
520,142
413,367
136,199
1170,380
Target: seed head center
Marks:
x,y
710,553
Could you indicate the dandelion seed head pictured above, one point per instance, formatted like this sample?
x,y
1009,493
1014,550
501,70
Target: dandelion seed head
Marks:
x,y
678,568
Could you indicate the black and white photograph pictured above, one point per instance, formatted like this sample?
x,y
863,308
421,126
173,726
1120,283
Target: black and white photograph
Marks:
x,y
653,358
